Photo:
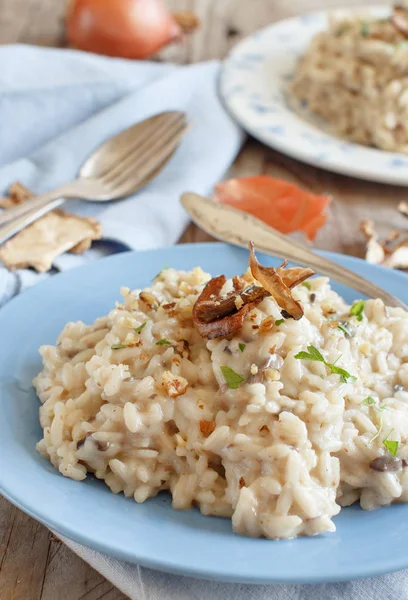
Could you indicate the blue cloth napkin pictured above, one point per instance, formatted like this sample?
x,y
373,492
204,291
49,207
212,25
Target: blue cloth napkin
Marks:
x,y
57,106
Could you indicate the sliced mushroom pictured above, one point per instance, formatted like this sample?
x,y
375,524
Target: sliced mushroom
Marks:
x,y
222,327
399,19
271,280
386,463
216,316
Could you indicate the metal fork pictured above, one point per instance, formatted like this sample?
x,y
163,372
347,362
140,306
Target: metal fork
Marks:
x,y
118,168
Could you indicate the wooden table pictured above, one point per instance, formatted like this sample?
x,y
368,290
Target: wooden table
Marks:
x,y
33,564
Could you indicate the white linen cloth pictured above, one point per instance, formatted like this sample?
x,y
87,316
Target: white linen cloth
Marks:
x,y
56,106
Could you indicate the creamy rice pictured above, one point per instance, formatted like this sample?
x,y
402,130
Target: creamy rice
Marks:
x,y
355,76
280,454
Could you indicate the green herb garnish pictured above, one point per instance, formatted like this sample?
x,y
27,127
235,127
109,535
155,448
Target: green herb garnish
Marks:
x,y
163,342
357,310
142,326
344,328
314,354
364,29
391,446
242,347
279,322
118,346
160,272
378,432
232,379
307,285
368,401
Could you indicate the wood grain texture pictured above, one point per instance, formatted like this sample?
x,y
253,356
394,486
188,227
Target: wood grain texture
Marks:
x,y
33,564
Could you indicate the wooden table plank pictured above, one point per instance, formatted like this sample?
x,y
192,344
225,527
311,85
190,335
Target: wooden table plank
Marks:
x,y
33,565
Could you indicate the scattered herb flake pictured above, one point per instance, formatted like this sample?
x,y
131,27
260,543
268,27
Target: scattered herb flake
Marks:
x,y
314,354
307,285
391,446
242,347
160,272
364,29
311,354
368,401
279,322
232,379
163,342
118,346
357,310
142,326
378,432
345,329
344,375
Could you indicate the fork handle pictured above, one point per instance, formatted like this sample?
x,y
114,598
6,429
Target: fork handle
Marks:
x,y
236,227
28,217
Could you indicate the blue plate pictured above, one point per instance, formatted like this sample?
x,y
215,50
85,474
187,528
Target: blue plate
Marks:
x,y
152,534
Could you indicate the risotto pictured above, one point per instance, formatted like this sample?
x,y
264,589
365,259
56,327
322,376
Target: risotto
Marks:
x,y
355,76
276,427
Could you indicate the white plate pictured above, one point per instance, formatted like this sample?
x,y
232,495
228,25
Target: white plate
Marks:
x,y
253,82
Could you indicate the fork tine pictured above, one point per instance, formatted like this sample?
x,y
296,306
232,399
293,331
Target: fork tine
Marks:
x,y
140,148
140,169
115,150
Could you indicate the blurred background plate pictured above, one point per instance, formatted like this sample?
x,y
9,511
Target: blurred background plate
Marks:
x,y
253,85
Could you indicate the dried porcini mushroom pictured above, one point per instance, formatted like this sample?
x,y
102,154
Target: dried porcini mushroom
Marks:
x,y
399,18
403,208
51,235
273,281
216,316
38,244
390,252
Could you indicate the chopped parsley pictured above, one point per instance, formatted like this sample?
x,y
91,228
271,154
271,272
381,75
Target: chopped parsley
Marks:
x,y
314,354
142,326
160,272
367,401
232,379
163,342
391,446
279,322
242,347
345,329
118,346
378,432
307,285
364,29
357,310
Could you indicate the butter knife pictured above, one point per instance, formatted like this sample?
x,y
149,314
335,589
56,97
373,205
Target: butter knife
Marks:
x,y
237,227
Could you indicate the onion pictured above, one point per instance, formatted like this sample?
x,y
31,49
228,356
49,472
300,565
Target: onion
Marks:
x,y
124,28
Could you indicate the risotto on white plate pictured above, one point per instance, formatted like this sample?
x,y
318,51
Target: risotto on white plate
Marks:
x,y
355,76
276,422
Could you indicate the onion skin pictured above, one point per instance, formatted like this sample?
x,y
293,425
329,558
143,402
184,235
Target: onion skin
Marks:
x,y
123,28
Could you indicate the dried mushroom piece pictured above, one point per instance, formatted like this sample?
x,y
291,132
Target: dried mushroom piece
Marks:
x,y
37,245
399,18
18,193
391,252
403,208
272,280
218,327
217,316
